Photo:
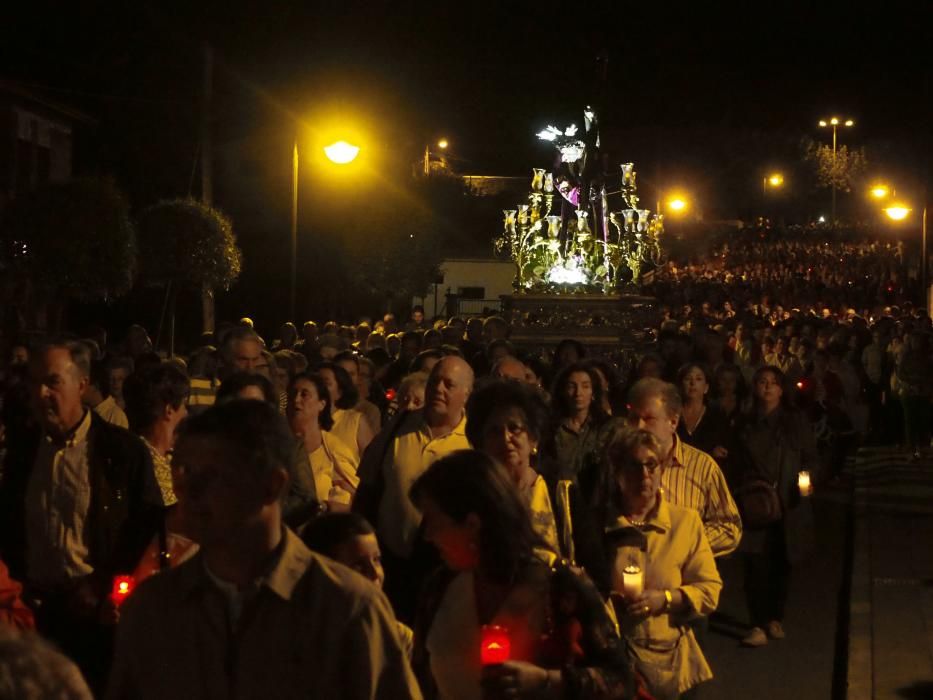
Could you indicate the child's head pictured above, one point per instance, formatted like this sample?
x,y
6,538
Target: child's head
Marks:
x,y
411,391
348,539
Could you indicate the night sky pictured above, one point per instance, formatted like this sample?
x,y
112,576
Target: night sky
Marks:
x,y
489,75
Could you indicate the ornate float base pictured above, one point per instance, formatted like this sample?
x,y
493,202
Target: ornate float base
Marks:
x,y
602,322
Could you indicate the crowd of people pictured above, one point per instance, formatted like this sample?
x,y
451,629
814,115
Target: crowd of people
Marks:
x,y
423,509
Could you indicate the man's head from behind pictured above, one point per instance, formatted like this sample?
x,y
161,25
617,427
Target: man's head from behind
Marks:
x,y
231,470
59,374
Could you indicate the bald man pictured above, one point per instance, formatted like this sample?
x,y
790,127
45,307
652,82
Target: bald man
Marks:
x,y
402,452
509,367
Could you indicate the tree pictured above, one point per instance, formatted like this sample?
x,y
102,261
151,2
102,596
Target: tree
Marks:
x,y
183,244
64,242
841,170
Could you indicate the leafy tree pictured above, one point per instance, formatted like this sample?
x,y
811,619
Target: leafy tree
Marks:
x,y
841,171
184,243
69,241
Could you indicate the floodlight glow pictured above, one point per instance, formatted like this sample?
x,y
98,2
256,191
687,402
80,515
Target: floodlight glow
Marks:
x,y
880,191
776,180
898,211
676,204
834,121
822,122
849,122
442,143
341,152
822,219
568,273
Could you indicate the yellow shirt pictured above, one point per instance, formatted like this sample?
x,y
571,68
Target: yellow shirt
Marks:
x,y
412,451
678,556
538,500
694,480
346,427
334,466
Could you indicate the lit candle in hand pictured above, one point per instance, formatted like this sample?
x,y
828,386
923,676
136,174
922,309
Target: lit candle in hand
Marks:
x,y
495,646
803,483
633,582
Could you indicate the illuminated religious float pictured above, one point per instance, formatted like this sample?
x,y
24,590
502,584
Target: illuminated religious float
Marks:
x,y
580,245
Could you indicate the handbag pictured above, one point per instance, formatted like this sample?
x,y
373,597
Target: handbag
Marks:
x,y
759,503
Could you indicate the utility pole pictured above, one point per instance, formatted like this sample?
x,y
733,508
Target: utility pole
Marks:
x,y
207,171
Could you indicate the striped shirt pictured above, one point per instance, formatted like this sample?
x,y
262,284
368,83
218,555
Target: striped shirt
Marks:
x,y
694,480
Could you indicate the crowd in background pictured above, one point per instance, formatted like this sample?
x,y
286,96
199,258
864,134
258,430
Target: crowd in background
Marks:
x,y
573,499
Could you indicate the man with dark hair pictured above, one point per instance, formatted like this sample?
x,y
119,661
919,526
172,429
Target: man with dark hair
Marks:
x,y
97,396
242,350
254,613
79,504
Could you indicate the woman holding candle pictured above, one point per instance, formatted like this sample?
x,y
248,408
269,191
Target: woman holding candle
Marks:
x,y
561,641
775,447
662,567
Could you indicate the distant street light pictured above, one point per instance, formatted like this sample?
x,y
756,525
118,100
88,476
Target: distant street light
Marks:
x,y
675,204
880,191
441,144
341,153
899,211
774,180
834,122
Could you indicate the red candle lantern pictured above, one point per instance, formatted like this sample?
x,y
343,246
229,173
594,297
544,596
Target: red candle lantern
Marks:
x,y
495,647
122,587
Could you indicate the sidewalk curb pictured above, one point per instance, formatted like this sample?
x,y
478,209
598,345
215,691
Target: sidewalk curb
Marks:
x,y
860,676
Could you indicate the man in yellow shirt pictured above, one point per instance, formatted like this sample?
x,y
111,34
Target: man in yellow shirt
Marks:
x,y
399,455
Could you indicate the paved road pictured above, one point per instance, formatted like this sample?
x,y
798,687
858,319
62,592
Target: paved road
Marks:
x,y
803,666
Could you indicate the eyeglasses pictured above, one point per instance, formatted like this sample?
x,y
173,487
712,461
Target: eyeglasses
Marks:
x,y
512,427
650,465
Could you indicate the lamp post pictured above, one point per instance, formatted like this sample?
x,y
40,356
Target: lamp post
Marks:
x,y
441,144
899,212
340,153
775,180
834,122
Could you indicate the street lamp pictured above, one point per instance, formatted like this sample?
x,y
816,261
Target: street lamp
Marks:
x,y
835,122
441,144
774,180
880,191
340,153
675,204
898,211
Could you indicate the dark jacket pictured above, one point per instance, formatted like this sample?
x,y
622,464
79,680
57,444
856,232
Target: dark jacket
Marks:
x,y
774,448
594,659
120,523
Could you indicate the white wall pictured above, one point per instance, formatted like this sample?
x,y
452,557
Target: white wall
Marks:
x,y
495,276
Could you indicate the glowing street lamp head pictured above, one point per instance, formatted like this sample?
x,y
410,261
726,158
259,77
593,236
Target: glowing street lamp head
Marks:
x,y
850,122
443,143
677,204
834,121
879,191
897,211
776,179
341,152
822,122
